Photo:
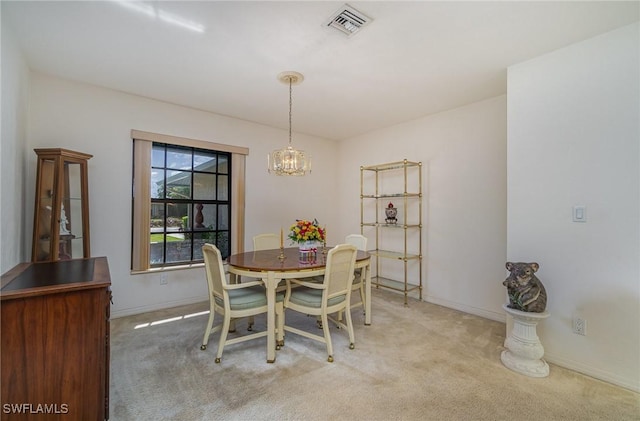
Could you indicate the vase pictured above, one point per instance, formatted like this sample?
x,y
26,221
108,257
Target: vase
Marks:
x,y
391,213
307,251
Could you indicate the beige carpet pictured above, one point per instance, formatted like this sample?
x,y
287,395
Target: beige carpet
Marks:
x,y
422,362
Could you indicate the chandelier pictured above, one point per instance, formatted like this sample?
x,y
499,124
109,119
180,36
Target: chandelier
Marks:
x,y
289,161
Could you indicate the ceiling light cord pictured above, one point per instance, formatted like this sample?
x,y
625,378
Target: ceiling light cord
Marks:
x,y
290,108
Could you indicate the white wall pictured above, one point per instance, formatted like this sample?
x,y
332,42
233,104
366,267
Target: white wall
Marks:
x,y
463,152
574,140
15,86
464,185
98,121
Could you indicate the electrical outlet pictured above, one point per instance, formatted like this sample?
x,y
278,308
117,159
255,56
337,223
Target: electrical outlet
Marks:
x,y
164,279
580,326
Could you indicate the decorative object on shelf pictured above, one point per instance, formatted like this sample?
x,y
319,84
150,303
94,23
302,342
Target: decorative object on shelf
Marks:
x,y
526,292
289,161
64,222
391,213
307,234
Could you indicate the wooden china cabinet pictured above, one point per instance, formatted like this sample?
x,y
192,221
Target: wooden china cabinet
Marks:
x,y
61,215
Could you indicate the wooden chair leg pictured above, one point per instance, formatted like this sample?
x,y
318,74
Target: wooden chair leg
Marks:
x,y
279,325
327,337
207,331
223,337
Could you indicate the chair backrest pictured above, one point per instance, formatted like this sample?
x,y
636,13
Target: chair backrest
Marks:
x,y
266,241
360,241
339,275
214,270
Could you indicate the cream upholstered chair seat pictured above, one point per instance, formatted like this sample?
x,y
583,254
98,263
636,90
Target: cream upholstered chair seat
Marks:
x,y
330,296
313,298
234,301
245,298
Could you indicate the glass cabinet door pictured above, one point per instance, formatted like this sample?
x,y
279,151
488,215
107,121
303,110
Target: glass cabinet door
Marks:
x,y
61,223
44,211
71,226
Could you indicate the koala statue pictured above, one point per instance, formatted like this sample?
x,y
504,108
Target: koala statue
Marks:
x,y
526,292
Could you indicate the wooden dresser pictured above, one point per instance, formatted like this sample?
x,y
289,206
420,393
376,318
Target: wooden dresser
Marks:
x,y
55,341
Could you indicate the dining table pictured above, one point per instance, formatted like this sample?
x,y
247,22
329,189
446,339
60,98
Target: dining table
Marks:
x,y
275,265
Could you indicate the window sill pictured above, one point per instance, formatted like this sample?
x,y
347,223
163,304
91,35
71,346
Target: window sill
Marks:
x,y
167,269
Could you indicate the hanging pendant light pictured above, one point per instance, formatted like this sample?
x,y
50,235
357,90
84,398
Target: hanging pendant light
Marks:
x,y
289,161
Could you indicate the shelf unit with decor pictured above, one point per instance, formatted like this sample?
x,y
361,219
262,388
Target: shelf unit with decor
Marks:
x,y
396,235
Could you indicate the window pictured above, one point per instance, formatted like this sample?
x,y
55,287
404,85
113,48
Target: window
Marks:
x,y
190,203
185,193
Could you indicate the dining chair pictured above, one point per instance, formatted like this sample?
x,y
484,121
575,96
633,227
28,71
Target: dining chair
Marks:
x,y
360,241
266,241
328,297
234,301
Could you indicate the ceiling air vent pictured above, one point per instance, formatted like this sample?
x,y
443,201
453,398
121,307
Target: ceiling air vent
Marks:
x,y
348,20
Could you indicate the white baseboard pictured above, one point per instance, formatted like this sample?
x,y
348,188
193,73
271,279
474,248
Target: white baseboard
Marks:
x,y
591,372
491,315
156,306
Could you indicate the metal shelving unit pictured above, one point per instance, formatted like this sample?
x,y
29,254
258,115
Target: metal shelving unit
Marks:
x,y
392,181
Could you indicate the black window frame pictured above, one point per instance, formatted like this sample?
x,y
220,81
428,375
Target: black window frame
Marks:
x,y
221,237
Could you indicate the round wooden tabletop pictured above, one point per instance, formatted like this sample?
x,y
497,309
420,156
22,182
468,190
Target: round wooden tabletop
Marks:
x,y
268,260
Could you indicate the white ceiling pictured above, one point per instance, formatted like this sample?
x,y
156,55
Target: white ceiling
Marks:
x,y
415,58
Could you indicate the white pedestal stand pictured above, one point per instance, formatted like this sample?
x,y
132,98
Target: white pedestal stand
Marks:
x,y
524,350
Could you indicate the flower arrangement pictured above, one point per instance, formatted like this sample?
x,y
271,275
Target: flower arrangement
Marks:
x,y
304,230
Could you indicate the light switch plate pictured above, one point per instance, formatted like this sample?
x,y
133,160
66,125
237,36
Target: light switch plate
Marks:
x,y
579,213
